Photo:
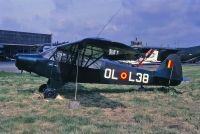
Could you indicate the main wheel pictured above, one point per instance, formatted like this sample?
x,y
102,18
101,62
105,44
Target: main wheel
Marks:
x,y
50,93
42,88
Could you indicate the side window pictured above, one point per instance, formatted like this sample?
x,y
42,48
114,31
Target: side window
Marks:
x,y
89,56
60,56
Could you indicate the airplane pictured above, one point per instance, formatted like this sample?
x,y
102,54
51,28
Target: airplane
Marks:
x,y
187,55
95,60
150,58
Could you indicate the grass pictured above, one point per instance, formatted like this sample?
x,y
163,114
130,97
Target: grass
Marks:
x,y
142,118
109,109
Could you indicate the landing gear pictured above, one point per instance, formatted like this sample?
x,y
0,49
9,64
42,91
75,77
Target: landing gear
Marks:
x,y
47,92
42,88
50,93
49,89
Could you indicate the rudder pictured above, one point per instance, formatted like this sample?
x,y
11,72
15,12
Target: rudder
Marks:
x,y
170,71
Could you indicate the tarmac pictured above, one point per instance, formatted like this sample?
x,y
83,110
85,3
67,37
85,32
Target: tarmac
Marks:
x,y
8,67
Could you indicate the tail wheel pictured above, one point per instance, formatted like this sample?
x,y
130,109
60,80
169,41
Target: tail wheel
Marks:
x,y
50,93
42,88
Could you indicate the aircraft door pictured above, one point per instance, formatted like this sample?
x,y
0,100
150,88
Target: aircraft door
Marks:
x,y
65,62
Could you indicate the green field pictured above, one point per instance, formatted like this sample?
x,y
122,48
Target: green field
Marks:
x,y
109,109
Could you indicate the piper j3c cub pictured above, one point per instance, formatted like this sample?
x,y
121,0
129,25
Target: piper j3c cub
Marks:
x,y
94,60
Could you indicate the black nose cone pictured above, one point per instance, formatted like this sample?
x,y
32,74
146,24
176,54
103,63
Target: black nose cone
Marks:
x,y
25,62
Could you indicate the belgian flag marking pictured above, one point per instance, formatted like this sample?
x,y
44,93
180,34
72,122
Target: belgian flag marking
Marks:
x,y
170,64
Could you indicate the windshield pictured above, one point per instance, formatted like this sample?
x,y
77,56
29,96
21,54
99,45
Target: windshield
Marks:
x,y
49,52
84,55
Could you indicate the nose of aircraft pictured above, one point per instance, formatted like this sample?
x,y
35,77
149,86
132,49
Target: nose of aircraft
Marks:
x,y
25,62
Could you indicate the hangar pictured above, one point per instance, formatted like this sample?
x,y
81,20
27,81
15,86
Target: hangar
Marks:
x,y
12,42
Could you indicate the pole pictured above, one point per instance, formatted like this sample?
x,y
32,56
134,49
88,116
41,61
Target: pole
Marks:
x,y
76,76
171,75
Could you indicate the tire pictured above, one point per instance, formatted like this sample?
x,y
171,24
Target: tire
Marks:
x,y
50,93
42,88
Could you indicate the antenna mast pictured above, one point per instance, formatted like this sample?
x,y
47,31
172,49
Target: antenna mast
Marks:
x,y
111,18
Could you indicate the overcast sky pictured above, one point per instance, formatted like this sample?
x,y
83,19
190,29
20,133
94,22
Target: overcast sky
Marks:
x,y
175,23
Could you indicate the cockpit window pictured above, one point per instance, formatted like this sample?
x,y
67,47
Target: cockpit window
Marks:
x,y
86,55
89,55
60,56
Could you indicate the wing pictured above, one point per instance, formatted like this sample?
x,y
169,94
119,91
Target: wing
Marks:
x,y
193,60
94,47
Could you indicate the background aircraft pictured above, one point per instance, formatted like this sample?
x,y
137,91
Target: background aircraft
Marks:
x,y
187,55
96,61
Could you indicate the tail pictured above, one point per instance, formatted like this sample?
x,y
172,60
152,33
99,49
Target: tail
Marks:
x,y
169,73
153,57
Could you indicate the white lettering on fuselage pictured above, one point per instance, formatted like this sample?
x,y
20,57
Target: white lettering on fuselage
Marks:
x,y
110,74
107,73
140,77
130,79
113,52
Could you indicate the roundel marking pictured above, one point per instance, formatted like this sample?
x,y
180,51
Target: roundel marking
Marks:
x,y
123,75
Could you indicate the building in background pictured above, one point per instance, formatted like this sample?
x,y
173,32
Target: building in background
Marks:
x,y
136,43
13,42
